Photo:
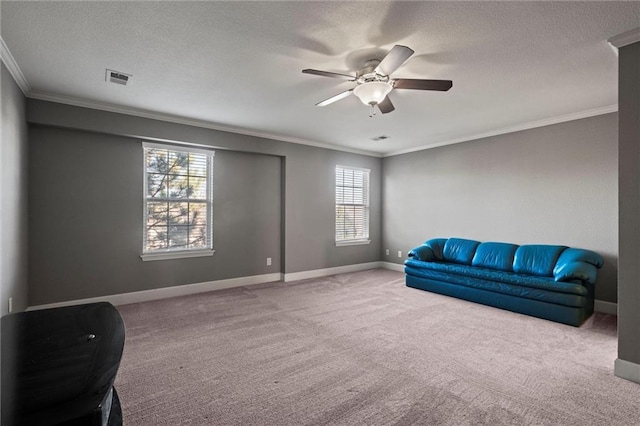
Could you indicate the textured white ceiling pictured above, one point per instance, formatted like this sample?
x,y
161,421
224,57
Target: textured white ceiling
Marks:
x,y
238,64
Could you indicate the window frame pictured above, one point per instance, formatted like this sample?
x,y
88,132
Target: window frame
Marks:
x,y
168,253
365,239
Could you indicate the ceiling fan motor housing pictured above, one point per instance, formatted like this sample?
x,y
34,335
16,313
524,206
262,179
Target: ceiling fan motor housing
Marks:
x,y
368,73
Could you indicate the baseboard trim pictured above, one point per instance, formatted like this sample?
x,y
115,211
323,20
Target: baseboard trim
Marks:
x,y
627,370
184,290
605,307
166,292
393,266
315,273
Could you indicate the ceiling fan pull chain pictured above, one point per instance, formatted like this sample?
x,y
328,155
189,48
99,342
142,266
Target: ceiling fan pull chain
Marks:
x,y
372,111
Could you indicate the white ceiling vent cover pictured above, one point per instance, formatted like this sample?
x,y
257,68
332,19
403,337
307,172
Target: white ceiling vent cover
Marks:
x,y
118,77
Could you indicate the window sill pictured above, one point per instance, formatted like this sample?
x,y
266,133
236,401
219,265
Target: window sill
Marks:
x,y
167,255
352,243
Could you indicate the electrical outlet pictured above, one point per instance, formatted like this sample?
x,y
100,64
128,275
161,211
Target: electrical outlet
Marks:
x,y
399,253
10,304
387,252
268,261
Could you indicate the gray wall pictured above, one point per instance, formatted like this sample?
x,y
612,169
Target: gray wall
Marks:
x,y
86,224
629,185
550,185
271,198
13,196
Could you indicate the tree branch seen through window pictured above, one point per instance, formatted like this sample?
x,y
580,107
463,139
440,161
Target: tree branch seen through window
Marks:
x,y
178,198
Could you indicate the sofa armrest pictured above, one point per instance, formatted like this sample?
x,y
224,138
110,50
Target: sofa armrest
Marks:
x,y
582,271
423,253
580,255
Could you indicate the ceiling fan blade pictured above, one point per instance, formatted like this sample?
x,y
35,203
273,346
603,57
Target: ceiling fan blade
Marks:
x,y
411,83
386,106
396,57
335,98
328,74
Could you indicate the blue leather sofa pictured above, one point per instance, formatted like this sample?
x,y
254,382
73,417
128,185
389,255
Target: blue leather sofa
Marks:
x,y
545,281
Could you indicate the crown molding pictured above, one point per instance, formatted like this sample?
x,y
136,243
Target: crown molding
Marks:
x,y
618,41
512,129
626,38
105,106
23,83
14,69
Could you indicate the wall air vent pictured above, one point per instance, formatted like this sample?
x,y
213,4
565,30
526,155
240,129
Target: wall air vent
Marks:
x,y
118,77
380,138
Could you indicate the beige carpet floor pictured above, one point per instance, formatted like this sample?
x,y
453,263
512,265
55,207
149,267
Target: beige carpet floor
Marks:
x,y
363,349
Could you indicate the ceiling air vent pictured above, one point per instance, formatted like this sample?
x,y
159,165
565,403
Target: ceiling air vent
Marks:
x,y
118,77
380,138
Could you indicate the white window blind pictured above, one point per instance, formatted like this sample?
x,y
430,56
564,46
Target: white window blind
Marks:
x,y
178,201
352,205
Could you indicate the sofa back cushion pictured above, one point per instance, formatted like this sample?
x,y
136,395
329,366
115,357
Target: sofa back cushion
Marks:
x,y
458,250
437,246
498,256
536,259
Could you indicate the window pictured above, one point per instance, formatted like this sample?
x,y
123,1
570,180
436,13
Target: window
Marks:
x,y
352,205
178,202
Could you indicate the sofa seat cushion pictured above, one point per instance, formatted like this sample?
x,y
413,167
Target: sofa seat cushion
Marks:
x,y
542,283
526,292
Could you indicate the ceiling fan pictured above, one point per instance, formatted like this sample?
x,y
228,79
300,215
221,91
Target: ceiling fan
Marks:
x,y
373,83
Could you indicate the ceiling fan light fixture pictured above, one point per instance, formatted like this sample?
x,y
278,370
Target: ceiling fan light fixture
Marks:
x,y
372,92
373,82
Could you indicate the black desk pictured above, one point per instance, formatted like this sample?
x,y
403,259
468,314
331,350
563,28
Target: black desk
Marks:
x,y
59,365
